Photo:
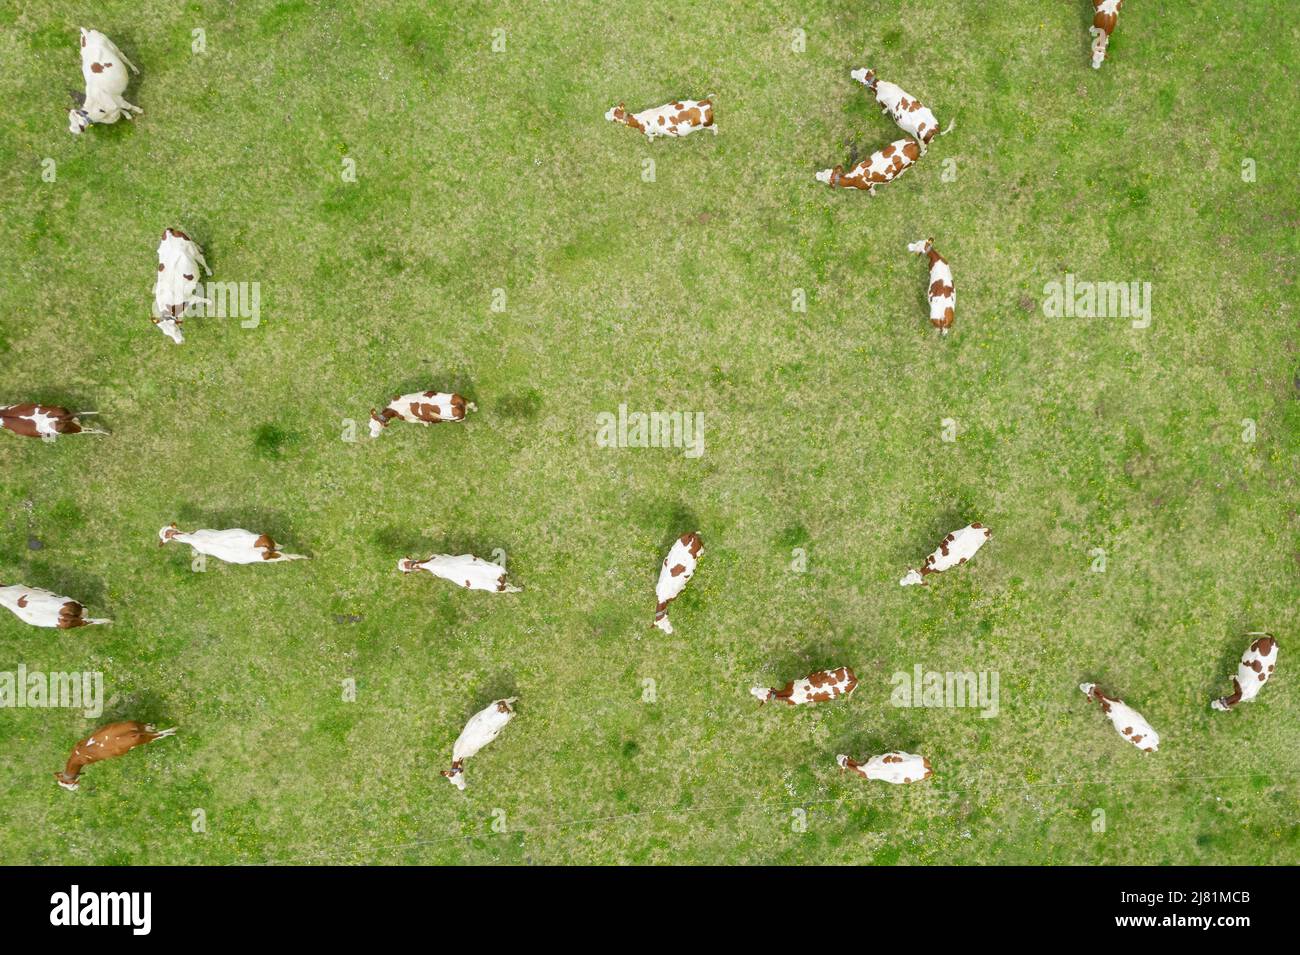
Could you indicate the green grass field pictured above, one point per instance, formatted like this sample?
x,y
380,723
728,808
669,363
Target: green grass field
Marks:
x,y
479,170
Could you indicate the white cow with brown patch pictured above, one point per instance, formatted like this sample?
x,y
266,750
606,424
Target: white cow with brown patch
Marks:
x,y
464,570
421,407
1105,14
41,608
814,688
882,166
179,259
675,573
898,768
900,106
1128,722
104,69
1256,666
957,548
483,727
234,545
44,421
678,118
942,295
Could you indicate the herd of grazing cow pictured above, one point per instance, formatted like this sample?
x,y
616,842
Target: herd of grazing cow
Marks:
x,y
175,292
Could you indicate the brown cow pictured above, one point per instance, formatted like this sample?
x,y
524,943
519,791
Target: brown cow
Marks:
x,y
43,421
107,742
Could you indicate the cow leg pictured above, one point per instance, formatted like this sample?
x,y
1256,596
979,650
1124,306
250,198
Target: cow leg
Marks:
x,y
198,257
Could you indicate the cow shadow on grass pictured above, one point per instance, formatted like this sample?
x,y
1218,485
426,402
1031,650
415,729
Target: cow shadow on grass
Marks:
x,y
87,589
824,654
499,686
78,401
144,706
681,520
455,381
912,548
404,542
1235,644
190,518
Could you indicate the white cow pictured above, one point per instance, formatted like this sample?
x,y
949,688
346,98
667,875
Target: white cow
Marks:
x,y
1128,722
672,119
677,570
904,109
421,407
483,727
234,546
1256,666
41,608
465,570
179,258
957,548
940,292
106,79
898,768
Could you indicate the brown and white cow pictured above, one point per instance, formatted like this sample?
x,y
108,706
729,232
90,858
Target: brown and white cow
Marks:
x,y
421,407
814,688
233,545
882,166
898,768
678,118
957,548
175,288
942,295
44,421
107,742
674,574
1256,666
483,727
1128,722
1105,14
41,608
903,108
106,78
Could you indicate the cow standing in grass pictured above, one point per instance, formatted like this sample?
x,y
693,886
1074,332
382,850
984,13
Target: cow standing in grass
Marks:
x,y
1105,14
174,290
940,292
464,570
41,608
483,727
44,421
900,106
1128,722
897,768
1256,666
814,688
107,742
421,407
234,545
676,572
673,119
957,548
882,166
103,67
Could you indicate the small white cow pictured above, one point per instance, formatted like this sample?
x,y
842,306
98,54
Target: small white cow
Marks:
x,y
483,727
676,572
1127,721
1105,14
41,608
421,407
904,109
44,421
882,166
814,688
179,258
957,548
234,545
465,570
897,768
106,79
1256,666
672,119
942,295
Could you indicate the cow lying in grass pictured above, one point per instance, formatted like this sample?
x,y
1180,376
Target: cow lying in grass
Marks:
x,y
234,546
179,258
421,407
940,292
41,608
814,688
464,570
1256,666
1127,721
483,727
897,768
44,421
103,67
107,742
957,548
882,166
675,573
673,119
904,109
1105,15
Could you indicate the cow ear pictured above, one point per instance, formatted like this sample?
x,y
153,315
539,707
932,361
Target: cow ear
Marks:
x,y
154,320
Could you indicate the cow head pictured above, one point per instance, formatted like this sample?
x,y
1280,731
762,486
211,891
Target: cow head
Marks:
x,y
78,120
167,533
762,693
377,423
67,782
456,776
920,246
866,77
171,327
831,177
912,578
617,114
842,761
408,565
